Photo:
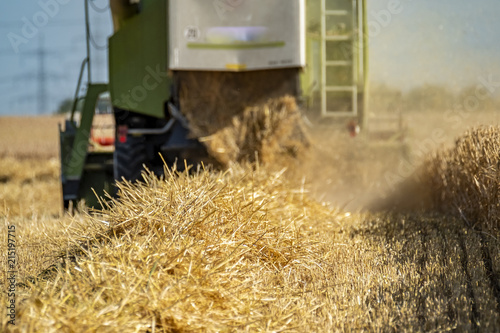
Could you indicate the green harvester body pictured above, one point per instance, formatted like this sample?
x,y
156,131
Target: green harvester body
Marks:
x,y
330,53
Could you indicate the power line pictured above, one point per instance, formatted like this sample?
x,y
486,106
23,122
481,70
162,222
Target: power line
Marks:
x,y
10,52
51,24
42,76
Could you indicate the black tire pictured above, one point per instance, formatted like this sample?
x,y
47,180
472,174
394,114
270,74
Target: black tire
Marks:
x,y
129,158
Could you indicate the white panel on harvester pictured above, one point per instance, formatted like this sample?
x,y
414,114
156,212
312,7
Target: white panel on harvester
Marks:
x,y
236,35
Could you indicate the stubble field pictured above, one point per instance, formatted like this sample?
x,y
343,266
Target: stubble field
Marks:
x,y
256,250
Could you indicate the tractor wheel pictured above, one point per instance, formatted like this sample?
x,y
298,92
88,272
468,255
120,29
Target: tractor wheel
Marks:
x,y
129,158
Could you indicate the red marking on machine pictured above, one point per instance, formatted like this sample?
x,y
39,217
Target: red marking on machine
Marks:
x,y
353,128
122,133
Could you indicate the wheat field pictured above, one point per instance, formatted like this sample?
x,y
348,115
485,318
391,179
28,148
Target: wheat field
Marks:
x,y
252,249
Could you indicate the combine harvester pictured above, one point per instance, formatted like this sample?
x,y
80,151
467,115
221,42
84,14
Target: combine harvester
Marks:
x,y
167,60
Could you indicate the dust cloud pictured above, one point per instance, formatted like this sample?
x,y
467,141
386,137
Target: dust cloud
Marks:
x,y
361,172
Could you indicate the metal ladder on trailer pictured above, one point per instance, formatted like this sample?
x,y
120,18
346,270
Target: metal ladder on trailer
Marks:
x,y
339,58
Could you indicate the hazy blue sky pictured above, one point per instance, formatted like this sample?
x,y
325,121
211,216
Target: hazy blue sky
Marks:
x,y
64,41
451,42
